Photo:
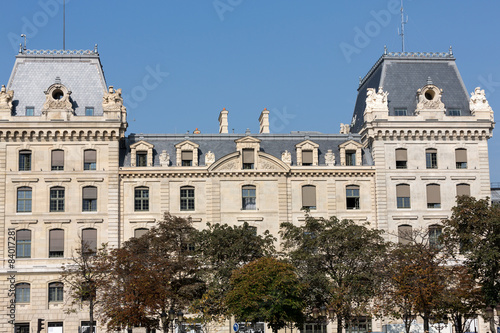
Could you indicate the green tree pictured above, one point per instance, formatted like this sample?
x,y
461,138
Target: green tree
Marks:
x,y
338,261
151,275
474,231
223,249
266,290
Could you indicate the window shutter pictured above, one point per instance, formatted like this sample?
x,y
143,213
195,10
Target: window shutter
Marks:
x,y
403,191
56,240
139,232
57,158
433,193
463,189
89,239
307,157
187,155
23,235
90,156
401,155
404,234
309,196
248,156
461,155
90,192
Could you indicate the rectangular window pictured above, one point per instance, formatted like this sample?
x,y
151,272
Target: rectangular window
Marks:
x,y
22,328
23,243
434,234
400,112
401,158
350,157
57,199
463,189
30,111
359,325
433,196
56,243
431,158
461,158
141,199
248,197
89,196
308,197
403,196
307,157
89,240
352,197
23,293
187,198
454,112
24,200
405,234
89,159
89,111
55,292
57,160
248,159
86,327
313,328
55,327
187,157
25,160
141,158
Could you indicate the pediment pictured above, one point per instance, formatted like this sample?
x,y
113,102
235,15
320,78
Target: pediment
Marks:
x,y
307,144
186,144
142,145
351,144
268,162
247,139
229,162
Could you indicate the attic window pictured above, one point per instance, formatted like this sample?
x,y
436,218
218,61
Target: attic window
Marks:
x,y
429,94
400,112
454,112
57,94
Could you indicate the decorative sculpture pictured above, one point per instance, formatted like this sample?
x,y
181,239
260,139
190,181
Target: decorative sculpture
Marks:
x,y
112,100
164,159
209,158
330,157
6,98
286,157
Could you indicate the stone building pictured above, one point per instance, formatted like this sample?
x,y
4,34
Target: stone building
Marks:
x,y
69,173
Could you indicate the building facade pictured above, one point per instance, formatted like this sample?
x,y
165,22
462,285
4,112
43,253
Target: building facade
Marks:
x,y
70,174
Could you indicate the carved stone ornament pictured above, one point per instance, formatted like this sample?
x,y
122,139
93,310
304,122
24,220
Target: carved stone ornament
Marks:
x,y
57,98
164,158
229,166
330,158
286,157
345,128
376,100
478,101
429,98
6,98
209,158
112,100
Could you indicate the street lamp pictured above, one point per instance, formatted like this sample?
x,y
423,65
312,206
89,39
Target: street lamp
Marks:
x,y
439,322
173,319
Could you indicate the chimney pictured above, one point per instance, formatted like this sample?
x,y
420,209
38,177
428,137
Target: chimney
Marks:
x,y
264,121
223,121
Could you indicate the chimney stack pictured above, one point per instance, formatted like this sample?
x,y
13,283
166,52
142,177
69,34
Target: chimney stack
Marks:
x,y
264,121
223,125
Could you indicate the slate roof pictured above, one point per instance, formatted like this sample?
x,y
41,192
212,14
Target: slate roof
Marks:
x,y
80,71
402,74
223,144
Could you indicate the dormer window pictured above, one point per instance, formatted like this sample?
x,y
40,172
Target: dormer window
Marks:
x,y
30,111
141,158
400,112
187,153
307,157
350,157
187,157
307,153
141,154
89,111
454,112
248,159
350,153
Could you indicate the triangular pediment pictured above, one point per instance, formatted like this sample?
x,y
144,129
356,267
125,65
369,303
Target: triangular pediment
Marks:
x,y
307,144
142,145
247,139
351,144
187,143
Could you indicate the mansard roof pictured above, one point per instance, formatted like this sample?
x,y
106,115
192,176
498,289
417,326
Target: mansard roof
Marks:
x,y
36,70
224,144
402,74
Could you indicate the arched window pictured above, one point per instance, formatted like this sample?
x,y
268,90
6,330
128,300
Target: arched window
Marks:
x,y
433,196
401,158
25,160
23,243
89,240
463,189
139,232
24,196
461,158
56,292
248,197
56,243
309,197
57,162
352,196
431,158
141,199
57,199
403,196
89,159
405,234
23,293
187,198
89,199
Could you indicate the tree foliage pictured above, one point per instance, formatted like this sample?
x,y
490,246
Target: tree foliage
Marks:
x,y
223,249
152,274
339,262
266,290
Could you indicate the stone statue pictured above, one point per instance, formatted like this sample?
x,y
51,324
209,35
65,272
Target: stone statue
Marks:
x,y
478,100
164,158
345,128
112,100
330,158
376,100
286,157
209,158
6,98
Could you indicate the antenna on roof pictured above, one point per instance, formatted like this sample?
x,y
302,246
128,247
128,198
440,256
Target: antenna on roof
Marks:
x,y
402,32
64,25
23,35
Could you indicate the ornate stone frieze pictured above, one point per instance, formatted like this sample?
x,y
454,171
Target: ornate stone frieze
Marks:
x,y
429,98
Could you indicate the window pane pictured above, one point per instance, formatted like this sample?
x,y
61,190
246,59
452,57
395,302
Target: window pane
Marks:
x,y
431,158
24,160
141,199
187,198
23,293
56,243
248,198
57,199
89,240
24,200
23,243
55,292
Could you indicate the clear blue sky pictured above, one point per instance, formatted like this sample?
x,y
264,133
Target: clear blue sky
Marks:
x,y
246,55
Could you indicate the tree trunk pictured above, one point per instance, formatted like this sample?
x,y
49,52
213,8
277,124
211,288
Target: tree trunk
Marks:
x,y
339,325
458,324
493,329
426,323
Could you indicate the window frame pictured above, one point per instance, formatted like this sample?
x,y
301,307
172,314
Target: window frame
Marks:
x,y
350,157
435,231
25,296
400,112
460,159
56,200
430,203
141,158
56,292
89,203
29,111
55,165
454,112
403,201
248,158
141,202
187,198
350,194
249,197
24,244
56,250
24,200
405,234
309,197
25,160
89,111
187,160
89,163
401,163
140,231
431,161
89,240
